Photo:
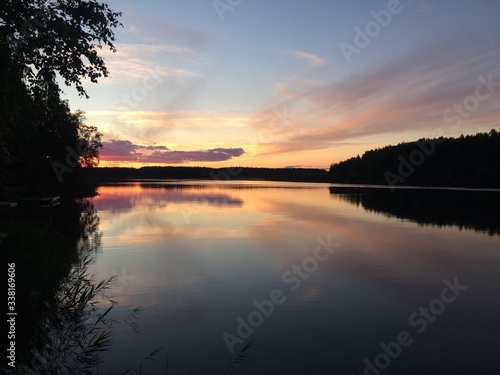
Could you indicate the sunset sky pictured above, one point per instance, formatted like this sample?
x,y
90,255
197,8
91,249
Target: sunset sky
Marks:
x,y
275,83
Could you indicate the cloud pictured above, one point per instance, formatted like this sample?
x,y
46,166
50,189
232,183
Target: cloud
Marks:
x,y
407,95
295,86
133,29
161,29
134,62
177,157
310,58
148,50
156,148
173,127
117,150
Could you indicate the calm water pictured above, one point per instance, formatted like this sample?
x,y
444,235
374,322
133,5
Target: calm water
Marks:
x,y
347,270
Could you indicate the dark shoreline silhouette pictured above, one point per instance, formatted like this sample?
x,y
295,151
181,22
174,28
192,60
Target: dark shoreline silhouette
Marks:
x,y
205,173
467,161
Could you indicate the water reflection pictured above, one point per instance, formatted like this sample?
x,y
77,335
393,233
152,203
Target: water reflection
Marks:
x,y
123,197
195,267
465,209
51,249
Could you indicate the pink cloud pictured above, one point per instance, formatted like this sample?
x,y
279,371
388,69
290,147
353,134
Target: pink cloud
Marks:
x,y
407,95
310,58
117,150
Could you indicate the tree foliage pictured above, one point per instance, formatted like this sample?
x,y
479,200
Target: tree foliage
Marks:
x,y
89,143
42,42
467,161
46,38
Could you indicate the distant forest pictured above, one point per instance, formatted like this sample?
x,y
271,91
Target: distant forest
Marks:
x,y
467,161
206,173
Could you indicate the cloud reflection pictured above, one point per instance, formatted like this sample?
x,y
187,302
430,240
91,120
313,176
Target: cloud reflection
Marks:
x,y
228,242
125,197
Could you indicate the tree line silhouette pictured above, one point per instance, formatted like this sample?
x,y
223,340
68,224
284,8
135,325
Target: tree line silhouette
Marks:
x,y
467,161
206,173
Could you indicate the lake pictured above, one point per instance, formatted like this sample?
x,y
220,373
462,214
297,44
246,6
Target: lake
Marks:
x,y
319,278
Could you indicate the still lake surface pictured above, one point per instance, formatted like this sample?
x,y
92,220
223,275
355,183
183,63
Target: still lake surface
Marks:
x,y
347,268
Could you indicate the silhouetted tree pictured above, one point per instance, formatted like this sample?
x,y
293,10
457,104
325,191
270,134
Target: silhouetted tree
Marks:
x,y
40,40
47,38
472,161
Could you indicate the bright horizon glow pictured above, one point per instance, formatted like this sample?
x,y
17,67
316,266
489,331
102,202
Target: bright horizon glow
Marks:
x,y
274,85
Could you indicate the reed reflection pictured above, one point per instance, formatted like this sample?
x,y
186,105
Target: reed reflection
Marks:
x,y
52,249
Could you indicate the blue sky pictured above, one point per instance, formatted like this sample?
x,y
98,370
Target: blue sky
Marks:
x,y
269,83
